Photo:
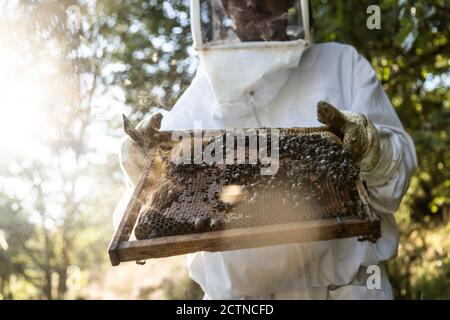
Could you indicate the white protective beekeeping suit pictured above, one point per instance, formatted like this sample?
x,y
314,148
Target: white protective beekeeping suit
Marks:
x,y
278,84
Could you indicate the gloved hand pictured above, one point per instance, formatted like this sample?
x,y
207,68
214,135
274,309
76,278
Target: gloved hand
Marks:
x,y
146,133
136,146
359,135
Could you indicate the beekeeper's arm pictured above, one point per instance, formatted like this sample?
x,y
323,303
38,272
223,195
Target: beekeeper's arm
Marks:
x,y
374,135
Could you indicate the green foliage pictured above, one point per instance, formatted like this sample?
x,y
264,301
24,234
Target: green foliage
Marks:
x,y
153,40
67,224
411,54
15,230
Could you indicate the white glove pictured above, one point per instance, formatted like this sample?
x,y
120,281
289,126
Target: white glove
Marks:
x,y
136,146
359,135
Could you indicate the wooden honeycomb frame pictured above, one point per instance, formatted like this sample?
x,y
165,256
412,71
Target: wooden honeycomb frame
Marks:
x,y
122,249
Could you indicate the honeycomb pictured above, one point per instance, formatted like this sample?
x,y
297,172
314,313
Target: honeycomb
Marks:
x,y
316,180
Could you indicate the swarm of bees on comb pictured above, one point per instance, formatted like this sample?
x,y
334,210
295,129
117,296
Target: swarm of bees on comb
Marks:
x,y
316,180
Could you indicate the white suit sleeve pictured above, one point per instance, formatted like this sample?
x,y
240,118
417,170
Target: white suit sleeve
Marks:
x,y
388,182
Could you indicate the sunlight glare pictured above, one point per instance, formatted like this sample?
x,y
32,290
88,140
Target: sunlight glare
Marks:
x,y
24,95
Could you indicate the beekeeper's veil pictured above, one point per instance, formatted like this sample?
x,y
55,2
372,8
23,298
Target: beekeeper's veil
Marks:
x,y
246,55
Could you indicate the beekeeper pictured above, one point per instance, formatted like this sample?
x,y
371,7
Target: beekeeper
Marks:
x,y
259,68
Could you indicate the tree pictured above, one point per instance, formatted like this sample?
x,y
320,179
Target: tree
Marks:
x,y
55,205
15,230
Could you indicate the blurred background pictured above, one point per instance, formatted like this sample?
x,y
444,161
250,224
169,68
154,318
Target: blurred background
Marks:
x,y
69,69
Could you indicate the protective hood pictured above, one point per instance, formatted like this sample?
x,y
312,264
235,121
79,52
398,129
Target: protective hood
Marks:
x,y
245,70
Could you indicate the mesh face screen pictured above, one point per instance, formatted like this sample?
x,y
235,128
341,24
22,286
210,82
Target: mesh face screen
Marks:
x,y
232,21
316,180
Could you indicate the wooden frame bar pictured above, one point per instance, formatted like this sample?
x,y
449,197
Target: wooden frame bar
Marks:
x,y
240,239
